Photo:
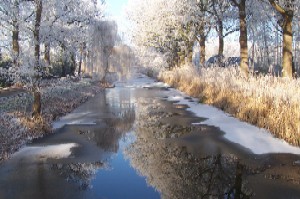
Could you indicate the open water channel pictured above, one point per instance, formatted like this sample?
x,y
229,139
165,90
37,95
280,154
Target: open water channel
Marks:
x,y
130,142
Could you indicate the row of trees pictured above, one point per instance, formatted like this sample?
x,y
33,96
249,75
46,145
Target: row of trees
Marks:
x,y
173,27
39,37
57,30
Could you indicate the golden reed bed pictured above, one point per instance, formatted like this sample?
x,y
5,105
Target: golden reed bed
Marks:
x,y
265,101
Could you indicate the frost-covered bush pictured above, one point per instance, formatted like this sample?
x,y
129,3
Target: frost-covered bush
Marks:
x,y
5,78
11,134
62,69
151,62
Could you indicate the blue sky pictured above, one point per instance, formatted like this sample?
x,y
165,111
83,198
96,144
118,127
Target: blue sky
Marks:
x,y
115,7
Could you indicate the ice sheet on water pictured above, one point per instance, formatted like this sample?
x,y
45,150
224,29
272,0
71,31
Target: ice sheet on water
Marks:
x,y
58,151
73,118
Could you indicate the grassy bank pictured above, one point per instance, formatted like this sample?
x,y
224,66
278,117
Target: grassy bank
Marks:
x,y
267,102
59,97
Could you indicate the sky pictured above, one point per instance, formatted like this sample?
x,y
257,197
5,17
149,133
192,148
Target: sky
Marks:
x,y
116,9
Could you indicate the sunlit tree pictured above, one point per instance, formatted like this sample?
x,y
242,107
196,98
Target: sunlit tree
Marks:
x,y
286,9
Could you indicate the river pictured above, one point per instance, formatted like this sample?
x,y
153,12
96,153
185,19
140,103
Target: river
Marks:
x,y
133,142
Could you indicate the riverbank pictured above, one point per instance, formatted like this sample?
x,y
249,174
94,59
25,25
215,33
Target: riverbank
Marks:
x,y
59,96
267,102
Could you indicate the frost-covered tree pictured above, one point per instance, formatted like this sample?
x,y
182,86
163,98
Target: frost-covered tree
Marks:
x,y
102,39
154,26
66,28
10,17
53,29
172,27
194,17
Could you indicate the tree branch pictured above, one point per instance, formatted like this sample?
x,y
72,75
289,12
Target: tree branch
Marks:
x,y
235,3
232,31
277,7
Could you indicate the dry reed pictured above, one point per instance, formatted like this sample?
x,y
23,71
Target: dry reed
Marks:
x,y
265,101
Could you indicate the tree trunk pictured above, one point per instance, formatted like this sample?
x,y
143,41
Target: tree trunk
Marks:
x,y
73,64
202,45
287,27
253,50
243,38
202,51
107,52
63,60
36,34
47,54
80,63
238,181
221,38
189,54
288,46
15,34
37,103
82,50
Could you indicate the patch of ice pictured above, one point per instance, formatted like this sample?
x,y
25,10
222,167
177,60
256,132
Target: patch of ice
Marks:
x,y
259,141
58,151
73,118
60,124
157,84
175,98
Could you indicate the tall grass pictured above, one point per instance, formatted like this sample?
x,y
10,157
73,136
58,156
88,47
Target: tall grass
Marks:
x,y
265,101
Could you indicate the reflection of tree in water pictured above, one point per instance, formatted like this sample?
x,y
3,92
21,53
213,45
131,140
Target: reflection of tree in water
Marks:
x,y
149,115
79,173
107,138
175,172
119,121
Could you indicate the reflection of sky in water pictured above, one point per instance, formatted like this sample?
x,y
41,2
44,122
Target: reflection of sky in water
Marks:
x,y
121,181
